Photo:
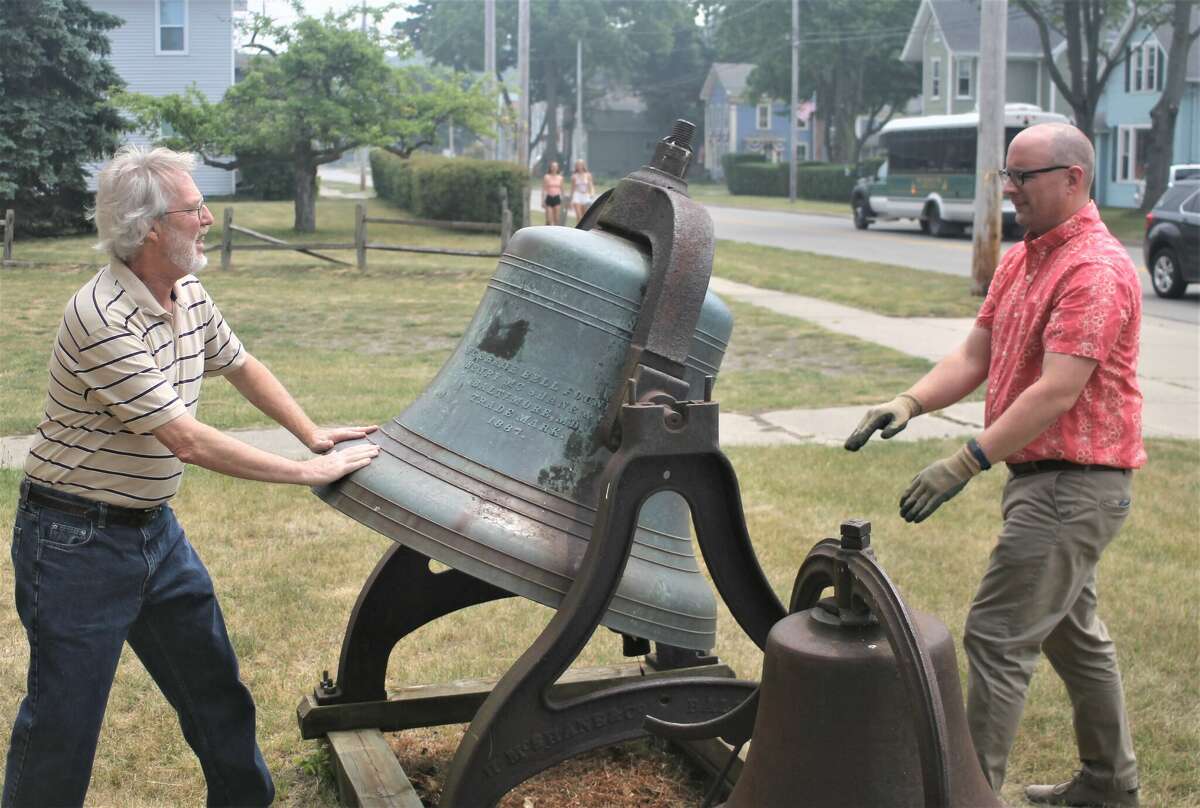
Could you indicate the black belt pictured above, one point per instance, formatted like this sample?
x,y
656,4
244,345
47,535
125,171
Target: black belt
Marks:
x,y
63,502
1042,466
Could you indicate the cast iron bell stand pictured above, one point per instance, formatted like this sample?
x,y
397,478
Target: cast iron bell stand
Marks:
x,y
531,722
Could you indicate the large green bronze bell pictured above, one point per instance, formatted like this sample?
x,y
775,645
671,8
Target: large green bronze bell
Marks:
x,y
493,469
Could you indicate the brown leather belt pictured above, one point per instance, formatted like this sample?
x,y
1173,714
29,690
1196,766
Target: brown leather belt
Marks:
x,y
45,497
1043,466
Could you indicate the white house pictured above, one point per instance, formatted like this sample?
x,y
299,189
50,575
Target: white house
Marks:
x,y
164,46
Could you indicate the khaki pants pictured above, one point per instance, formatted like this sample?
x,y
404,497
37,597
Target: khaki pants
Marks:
x,y
1039,592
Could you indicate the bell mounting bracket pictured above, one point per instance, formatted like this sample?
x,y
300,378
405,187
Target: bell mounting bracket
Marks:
x,y
651,207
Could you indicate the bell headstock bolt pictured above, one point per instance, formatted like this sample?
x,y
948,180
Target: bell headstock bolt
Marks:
x,y
681,133
856,534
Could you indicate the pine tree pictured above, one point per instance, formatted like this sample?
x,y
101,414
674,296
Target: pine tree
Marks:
x,y
55,115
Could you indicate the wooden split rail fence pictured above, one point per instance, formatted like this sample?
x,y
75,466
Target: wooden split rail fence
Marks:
x,y
9,223
362,242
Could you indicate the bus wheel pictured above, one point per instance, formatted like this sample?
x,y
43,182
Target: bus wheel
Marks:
x,y
939,227
861,220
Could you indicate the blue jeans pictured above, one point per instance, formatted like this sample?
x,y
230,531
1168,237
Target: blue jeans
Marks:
x,y
84,587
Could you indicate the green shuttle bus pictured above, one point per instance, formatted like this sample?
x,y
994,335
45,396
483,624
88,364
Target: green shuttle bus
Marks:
x,y
929,173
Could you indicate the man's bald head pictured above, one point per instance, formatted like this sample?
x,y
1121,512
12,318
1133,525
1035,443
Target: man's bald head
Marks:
x,y
1050,166
1063,144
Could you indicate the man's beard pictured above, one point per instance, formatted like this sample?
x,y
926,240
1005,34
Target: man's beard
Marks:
x,y
182,253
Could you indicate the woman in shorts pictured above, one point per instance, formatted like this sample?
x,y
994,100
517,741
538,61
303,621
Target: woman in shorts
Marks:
x,y
582,189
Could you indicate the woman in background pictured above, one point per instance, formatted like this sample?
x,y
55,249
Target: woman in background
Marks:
x,y
582,189
552,184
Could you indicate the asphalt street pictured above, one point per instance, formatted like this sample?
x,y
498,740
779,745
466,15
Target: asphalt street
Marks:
x,y
904,244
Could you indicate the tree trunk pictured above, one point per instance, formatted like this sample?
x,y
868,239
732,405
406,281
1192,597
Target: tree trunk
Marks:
x,y
305,174
1164,113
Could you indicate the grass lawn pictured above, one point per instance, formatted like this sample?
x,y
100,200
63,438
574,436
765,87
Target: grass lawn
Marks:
x,y
1127,224
718,194
288,569
878,287
380,336
358,346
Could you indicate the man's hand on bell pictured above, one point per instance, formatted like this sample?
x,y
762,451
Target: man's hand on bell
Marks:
x,y
891,418
325,438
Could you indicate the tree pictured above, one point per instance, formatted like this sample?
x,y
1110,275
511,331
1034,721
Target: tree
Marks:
x,y
1164,113
54,108
1097,33
622,42
327,89
849,56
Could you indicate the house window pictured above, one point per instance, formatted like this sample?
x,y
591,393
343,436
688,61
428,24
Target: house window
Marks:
x,y
764,116
172,26
1132,143
963,77
1144,68
935,72
801,152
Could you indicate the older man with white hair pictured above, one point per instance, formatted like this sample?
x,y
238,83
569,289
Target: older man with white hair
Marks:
x,y
1056,340
98,555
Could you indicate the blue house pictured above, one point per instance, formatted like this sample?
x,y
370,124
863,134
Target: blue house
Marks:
x,y
944,39
734,122
165,46
1122,123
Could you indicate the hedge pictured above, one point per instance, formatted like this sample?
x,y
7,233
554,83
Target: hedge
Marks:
x,y
828,181
456,189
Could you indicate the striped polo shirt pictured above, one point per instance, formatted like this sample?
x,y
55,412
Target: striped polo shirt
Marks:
x,y
121,367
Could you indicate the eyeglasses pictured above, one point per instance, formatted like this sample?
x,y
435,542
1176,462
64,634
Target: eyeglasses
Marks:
x,y
198,210
1019,178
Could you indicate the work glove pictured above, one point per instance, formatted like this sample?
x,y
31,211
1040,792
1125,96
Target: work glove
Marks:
x,y
891,417
940,481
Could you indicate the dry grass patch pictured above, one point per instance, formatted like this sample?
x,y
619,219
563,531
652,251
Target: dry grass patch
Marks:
x,y
637,773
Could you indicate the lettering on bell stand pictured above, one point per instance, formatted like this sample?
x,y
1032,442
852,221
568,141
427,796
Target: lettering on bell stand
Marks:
x,y
710,705
544,741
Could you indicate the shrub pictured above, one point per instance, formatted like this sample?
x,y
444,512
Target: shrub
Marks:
x,y
269,179
733,159
828,181
758,178
451,189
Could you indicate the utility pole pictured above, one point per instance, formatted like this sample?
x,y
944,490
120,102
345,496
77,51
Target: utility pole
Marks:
x,y
523,79
363,150
989,154
795,107
489,63
578,136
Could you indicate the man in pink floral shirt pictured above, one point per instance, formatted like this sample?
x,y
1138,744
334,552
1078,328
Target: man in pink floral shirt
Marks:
x,y
1057,343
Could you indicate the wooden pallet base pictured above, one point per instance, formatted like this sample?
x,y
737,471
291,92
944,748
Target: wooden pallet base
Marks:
x,y
367,770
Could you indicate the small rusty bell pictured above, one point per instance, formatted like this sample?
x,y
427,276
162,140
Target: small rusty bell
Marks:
x,y
838,723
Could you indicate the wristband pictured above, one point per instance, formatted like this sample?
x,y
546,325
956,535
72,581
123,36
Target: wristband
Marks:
x,y
919,408
977,452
